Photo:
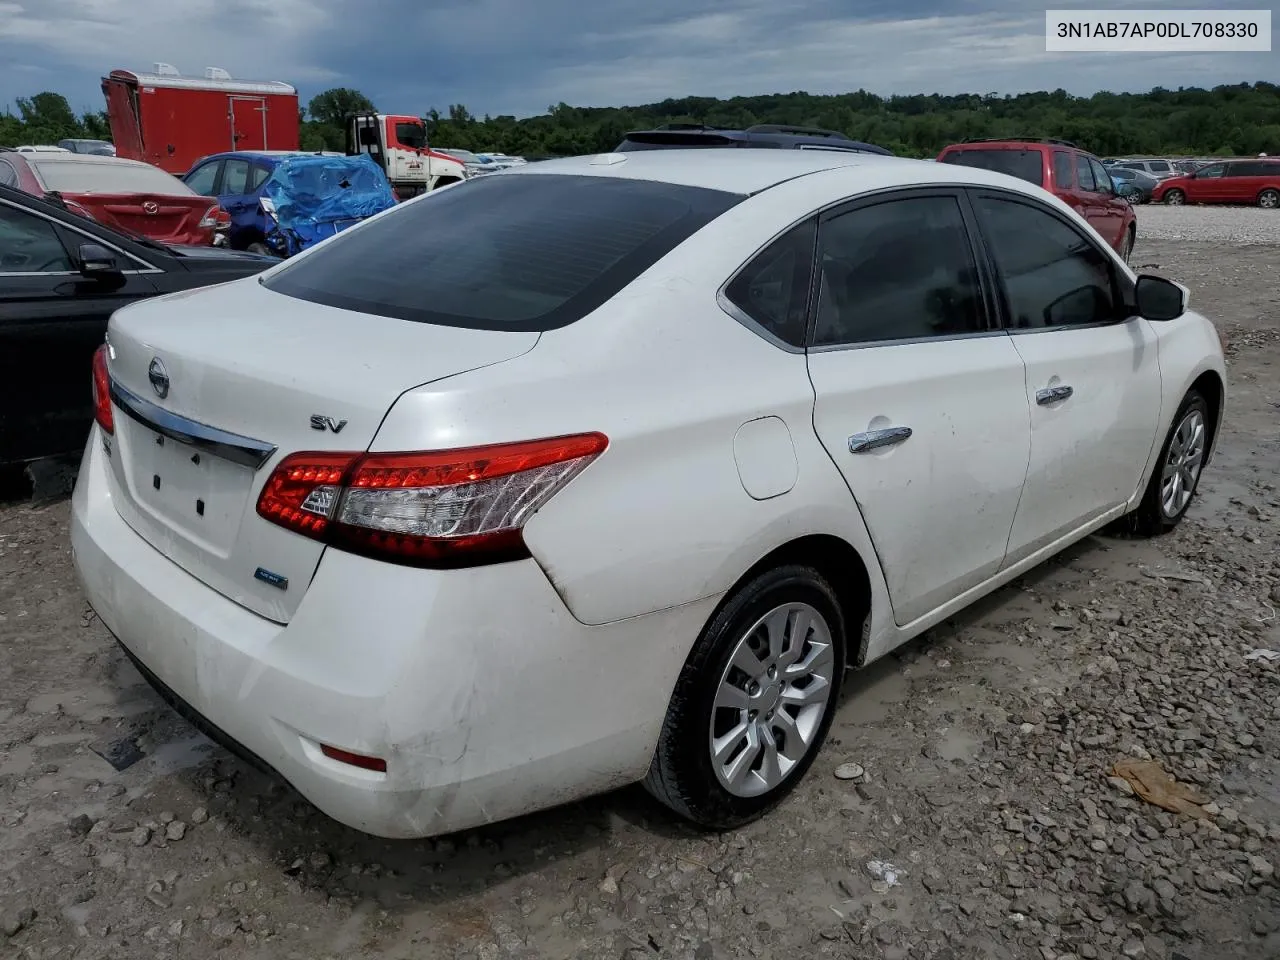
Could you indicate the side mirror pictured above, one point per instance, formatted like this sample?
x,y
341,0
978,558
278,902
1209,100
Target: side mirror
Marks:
x,y
1159,299
97,261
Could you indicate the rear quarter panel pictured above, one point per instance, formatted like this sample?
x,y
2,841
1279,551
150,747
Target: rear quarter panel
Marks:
x,y
661,518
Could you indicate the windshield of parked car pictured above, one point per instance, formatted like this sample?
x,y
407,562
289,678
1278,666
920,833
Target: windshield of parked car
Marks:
x,y
412,135
520,252
1024,164
105,176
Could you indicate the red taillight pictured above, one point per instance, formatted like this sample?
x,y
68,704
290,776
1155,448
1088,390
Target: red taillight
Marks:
x,y
102,391
436,509
214,218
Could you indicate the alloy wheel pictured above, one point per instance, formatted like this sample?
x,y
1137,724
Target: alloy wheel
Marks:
x,y
771,699
1182,465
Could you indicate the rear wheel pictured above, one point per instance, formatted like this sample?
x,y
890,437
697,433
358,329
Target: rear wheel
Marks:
x,y
1173,482
258,248
754,701
1175,198
1269,199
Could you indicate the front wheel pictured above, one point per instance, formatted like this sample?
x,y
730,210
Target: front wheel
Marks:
x,y
1175,198
1177,474
754,701
1126,245
1269,199
259,248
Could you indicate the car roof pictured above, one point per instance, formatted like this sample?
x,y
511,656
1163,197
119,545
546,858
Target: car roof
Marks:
x,y
752,171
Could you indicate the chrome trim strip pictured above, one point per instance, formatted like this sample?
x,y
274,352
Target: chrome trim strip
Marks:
x,y
229,446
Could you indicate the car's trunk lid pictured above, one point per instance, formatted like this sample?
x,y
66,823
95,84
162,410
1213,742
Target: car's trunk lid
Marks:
x,y
222,384
164,217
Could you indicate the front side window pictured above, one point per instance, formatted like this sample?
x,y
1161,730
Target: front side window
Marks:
x,y
1159,166
521,252
1062,176
1053,276
8,175
1084,175
773,289
898,270
204,178
29,244
1101,179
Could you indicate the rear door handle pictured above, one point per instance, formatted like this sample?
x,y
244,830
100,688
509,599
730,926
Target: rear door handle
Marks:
x,y
875,439
1052,395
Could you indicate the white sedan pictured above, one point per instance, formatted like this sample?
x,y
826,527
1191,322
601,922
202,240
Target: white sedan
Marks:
x,y
607,469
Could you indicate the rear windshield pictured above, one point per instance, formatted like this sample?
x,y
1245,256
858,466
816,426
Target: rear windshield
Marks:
x,y
506,252
70,176
1026,165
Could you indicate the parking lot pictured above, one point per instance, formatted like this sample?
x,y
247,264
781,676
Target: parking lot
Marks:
x,y
987,749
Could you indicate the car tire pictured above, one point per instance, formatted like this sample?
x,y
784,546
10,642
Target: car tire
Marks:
x,y
1166,499
258,248
717,704
1126,246
1175,198
1269,199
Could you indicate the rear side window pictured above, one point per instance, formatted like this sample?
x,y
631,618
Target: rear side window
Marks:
x,y
1062,177
1026,165
898,270
511,252
1253,168
1159,166
773,289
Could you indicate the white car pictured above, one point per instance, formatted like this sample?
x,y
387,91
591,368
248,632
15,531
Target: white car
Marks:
x,y
606,469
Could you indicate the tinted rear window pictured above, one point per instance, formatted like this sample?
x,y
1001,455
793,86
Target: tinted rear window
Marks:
x,y
71,176
507,252
1024,164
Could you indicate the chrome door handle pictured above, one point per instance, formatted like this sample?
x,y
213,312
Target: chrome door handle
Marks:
x,y
1052,395
875,439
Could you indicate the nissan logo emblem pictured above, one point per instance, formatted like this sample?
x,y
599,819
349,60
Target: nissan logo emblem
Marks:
x,y
159,378
151,207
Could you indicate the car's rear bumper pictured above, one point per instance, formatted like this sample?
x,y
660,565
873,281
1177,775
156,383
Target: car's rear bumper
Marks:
x,y
486,698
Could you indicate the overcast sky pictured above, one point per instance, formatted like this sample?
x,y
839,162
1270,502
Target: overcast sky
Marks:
x,y
519,56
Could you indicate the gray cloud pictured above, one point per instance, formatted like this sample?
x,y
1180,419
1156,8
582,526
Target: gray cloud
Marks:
x,y
515,56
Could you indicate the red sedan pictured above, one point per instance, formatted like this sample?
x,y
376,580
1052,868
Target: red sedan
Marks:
x,y
135,198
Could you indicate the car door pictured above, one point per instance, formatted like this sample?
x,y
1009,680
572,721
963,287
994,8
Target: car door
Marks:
x,y
919,402
1112,210
1205,185
1240,182
1092,370
52,318
1091,200
235,197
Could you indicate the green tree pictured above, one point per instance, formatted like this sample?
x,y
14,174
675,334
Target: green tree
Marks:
x,y
332,107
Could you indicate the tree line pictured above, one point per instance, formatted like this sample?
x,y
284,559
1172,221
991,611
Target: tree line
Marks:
x,y
1233,120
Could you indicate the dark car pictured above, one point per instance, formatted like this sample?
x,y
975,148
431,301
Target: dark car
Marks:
x,y
1140,185
762,135
61,276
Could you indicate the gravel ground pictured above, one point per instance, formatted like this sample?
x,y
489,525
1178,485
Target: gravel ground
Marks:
x,y
987,750
1213,224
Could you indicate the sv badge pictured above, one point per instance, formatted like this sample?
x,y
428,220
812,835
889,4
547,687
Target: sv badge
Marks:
x,y
319,422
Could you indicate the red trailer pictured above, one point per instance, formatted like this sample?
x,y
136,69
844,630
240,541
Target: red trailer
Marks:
x,y
172,121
